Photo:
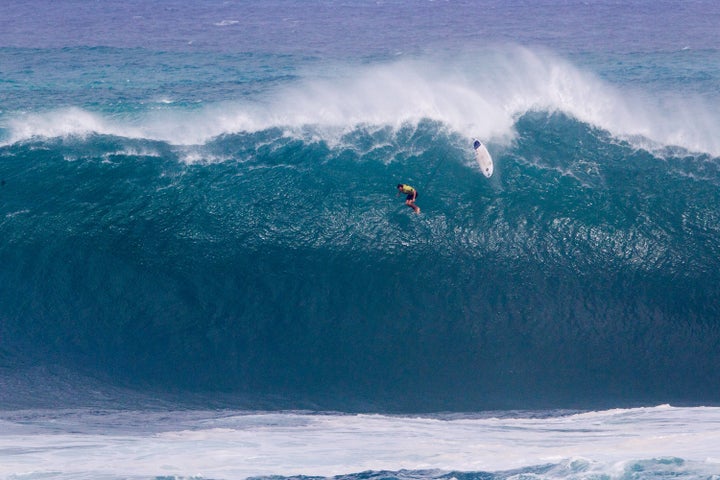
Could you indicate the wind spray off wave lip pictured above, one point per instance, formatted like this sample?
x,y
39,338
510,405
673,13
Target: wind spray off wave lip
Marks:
x,y
482,94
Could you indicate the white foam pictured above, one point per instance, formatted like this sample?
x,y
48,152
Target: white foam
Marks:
x,y
226,23
477,95
66,122
226,445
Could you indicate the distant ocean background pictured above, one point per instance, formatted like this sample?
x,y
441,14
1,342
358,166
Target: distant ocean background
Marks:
x,y
205,271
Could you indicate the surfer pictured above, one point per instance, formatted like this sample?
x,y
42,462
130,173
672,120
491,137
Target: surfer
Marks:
x,y
412,195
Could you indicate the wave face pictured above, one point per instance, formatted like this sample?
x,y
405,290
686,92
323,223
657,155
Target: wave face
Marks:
x,y
273,263
199,199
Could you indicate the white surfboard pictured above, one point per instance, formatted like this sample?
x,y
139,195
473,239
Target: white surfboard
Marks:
x,y
483,158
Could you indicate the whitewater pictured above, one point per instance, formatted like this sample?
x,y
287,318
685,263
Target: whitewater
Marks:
x,y
96,444
205,271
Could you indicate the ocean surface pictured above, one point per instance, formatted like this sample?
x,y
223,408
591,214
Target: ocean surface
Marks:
x,y
205,270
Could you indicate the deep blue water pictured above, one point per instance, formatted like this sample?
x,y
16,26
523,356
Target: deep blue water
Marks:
x,y
198,209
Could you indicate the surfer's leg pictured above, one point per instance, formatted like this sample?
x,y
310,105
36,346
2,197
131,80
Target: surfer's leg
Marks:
x,y
410,204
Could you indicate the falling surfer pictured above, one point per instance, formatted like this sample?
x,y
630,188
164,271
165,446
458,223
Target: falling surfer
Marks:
x,y
411,196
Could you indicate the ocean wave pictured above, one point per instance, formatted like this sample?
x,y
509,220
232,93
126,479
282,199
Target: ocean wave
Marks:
x,y
576,276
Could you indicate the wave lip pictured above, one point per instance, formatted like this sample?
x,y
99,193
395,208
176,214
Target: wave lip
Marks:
x,y
68,122
480,95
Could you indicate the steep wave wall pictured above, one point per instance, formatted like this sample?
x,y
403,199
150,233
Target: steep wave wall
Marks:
x,y
584,272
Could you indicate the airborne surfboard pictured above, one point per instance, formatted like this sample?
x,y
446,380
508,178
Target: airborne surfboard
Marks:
x,y
483,158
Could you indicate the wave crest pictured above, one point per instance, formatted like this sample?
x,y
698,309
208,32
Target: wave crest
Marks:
x,y
480,94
